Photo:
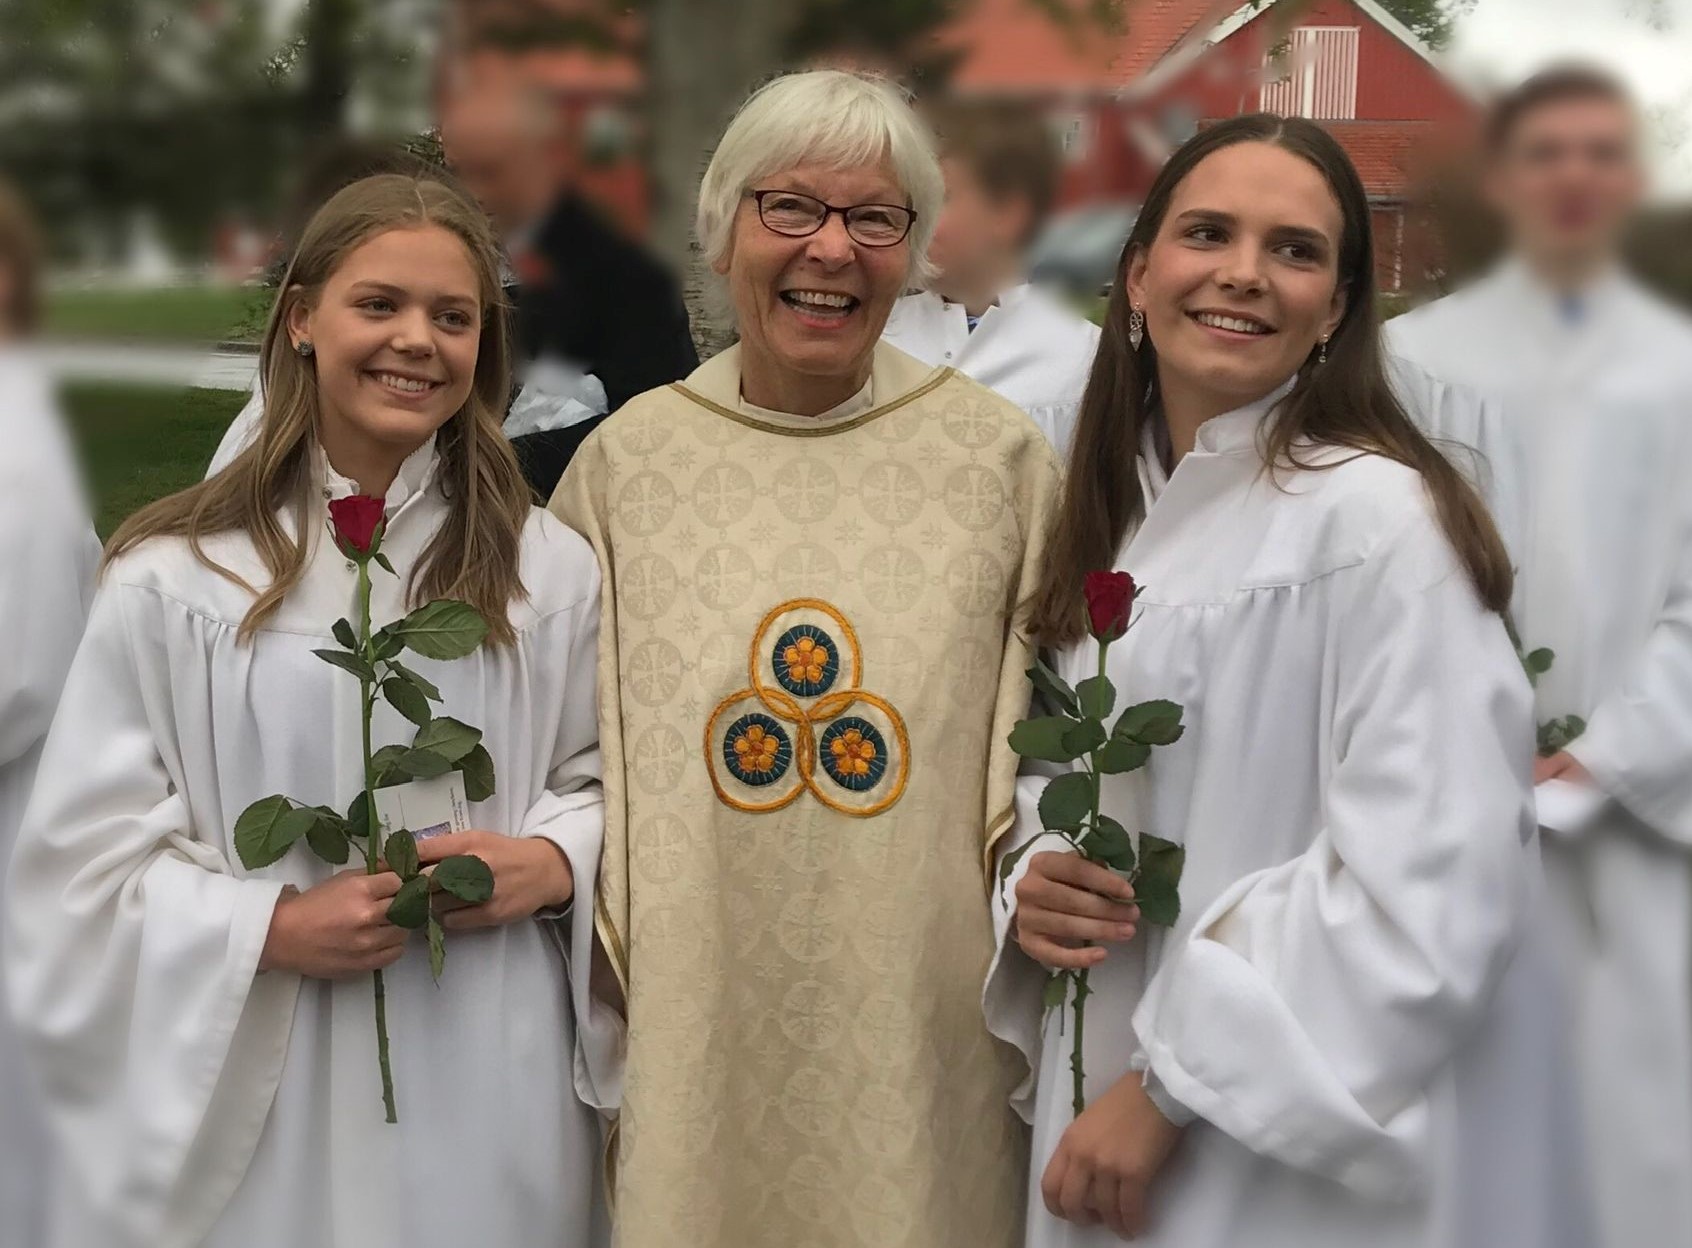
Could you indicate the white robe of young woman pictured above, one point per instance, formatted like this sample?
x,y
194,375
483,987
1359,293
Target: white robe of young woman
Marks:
x,y
200,1101
1349,1008
1028,347
48,554
1597,392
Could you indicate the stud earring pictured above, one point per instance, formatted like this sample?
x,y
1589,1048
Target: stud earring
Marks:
x,y
305,349
1136,328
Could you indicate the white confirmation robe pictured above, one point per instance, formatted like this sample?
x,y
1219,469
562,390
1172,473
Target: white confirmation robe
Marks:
x,y
201,1102
1598,436
48,554
1348,1004
1028,347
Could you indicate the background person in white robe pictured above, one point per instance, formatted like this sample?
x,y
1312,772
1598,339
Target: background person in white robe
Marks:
x,y
980,315
204,1034
1340,1042
1595,379
48,554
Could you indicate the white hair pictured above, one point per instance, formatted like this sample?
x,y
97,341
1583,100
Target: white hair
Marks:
x,y
831,117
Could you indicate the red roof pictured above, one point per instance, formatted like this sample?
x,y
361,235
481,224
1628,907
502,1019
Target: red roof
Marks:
x,y
1013,44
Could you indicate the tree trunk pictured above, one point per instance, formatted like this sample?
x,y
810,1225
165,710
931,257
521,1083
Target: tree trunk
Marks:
x,y
704,57
330,27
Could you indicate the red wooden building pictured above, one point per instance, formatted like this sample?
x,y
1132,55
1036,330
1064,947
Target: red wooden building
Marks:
x,y
1122,99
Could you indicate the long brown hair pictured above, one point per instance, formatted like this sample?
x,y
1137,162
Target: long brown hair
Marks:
x,y
1346,402
474,556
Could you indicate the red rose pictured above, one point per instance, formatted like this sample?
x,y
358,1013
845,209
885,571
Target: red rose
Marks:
x,y
356,520
1110,599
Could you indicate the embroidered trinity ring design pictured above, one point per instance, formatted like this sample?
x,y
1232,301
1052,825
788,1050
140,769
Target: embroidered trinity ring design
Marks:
x,y
805,724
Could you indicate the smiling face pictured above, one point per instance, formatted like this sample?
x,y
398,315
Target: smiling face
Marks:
x,y
1241,282
395,333
811,309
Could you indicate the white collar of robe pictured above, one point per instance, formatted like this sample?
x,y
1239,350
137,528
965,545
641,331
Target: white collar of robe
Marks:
x,y
1237,430
1546,304
412,479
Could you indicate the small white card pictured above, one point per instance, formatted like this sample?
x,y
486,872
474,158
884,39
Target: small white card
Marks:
x,y
424,808
1566,808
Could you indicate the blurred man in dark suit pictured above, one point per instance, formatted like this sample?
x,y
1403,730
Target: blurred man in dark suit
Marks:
x,y
598,320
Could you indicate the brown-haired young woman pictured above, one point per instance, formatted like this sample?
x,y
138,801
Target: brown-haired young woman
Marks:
x,y
1339,1034
203,1033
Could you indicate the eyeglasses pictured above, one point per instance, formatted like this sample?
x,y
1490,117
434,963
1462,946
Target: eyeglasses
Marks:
x,y
799,216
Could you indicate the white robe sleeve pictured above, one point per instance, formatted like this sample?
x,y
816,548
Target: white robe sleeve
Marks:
x,y
1638,740
1011,999
1307,1009
571,814
241,432
131,952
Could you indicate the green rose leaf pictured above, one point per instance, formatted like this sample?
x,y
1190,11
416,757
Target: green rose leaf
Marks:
x,y
1007,864
1082,737
1097,696
1539,661
1110,844
1122,754
1067,802
358,815
466,877
1158,888
387,643
385,765
327,837
407,699
268,829
447,738
1055,688
344,634
351,662
477,767
382,562
410,906
424,687
1056,991
446,629
423,764
1043,738
437,948
1151,723
400,849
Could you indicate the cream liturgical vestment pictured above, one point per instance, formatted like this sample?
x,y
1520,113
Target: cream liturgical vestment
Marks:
x,y
1595,455
203,1102
808,675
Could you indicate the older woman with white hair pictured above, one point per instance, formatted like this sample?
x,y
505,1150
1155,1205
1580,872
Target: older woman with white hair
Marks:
x,y
813,550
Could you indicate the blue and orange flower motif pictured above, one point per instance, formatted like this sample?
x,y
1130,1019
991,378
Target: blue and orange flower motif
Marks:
x,y
757,750
854,754
806,661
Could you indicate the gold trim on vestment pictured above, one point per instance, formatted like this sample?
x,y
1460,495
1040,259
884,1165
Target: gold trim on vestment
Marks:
x,y
817,431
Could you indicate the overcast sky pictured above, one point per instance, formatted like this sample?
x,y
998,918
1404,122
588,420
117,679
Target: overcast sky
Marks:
x,y
1647,41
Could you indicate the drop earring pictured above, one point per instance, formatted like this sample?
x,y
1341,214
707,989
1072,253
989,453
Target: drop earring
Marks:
x,y
1322,355
1136,328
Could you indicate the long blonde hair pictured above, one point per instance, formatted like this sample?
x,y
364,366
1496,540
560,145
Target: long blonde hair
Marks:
x,y
474,557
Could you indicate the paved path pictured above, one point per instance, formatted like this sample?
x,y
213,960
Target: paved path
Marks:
x,y
159,365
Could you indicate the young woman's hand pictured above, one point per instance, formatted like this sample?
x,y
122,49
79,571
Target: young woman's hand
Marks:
x,y
1066,907
1107,1159
530,873
1561,766
335,929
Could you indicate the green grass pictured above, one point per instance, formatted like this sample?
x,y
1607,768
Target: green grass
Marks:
x,y
140,443
186,314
